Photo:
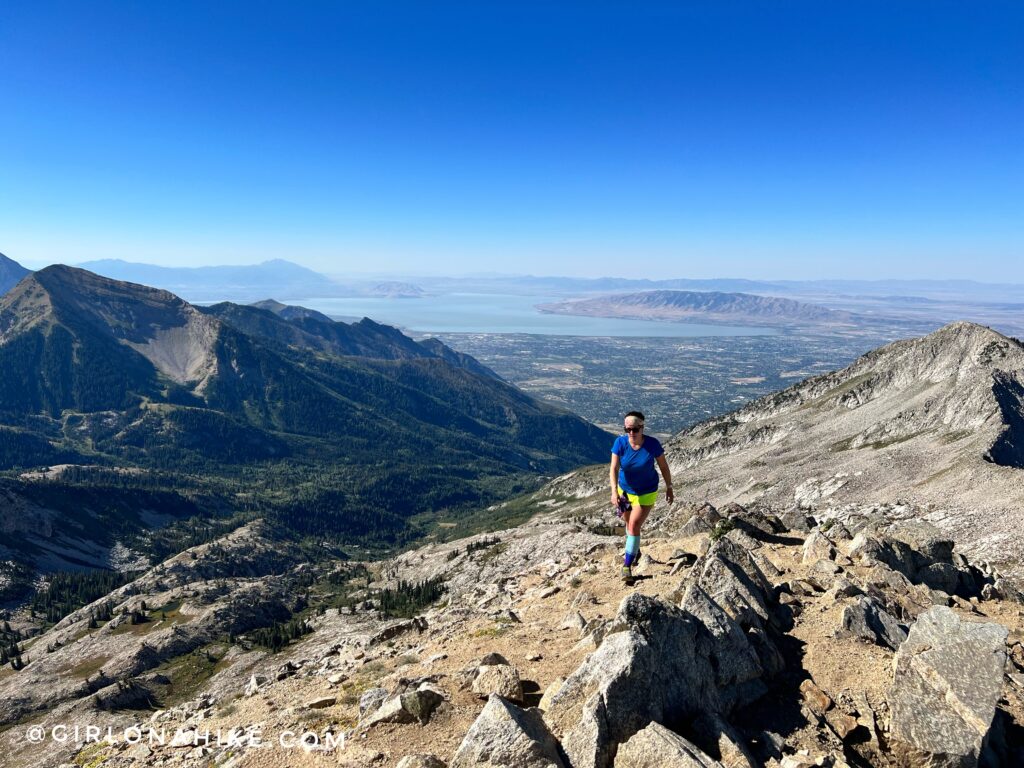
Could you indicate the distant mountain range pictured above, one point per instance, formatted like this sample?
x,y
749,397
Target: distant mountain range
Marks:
x,y
10,273
337,430
875,289
279,278
707,306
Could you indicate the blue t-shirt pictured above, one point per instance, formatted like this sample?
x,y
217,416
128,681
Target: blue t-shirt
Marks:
x,y
637,474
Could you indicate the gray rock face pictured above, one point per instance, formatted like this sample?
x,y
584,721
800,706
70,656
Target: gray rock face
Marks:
x,y
549,693
658,670
941,576
925,539
817,547
946,682
656,746
756,522
822,574
737,668
414,706
795,519
504,735
918,551
897,555
868,620
370,702
702,520
731,577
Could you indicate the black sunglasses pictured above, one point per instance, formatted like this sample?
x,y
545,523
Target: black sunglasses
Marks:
x,y
635,429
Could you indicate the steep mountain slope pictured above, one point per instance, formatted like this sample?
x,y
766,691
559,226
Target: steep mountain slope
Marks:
x,y
712,306
937,420
353,428
300,327
11,273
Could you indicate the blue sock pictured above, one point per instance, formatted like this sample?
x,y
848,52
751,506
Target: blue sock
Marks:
x,y
632,547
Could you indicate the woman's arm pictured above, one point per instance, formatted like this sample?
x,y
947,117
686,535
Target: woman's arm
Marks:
x,y
613,478
667,474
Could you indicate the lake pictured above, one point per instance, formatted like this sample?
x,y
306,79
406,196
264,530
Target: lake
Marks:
x,y
495,313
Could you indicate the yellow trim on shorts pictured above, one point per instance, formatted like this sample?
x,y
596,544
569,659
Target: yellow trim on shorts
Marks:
x,y
646,500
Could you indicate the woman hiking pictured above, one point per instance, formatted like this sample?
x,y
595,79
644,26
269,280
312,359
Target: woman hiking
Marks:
x,y
632,475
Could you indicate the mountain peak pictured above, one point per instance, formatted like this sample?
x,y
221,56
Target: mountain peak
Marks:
x,y
965,330
958,349
11,273
172,334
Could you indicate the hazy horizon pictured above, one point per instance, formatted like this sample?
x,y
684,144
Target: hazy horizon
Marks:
x,y
397,275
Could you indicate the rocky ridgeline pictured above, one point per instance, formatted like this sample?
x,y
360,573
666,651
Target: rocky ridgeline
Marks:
x,y
749,639
937,421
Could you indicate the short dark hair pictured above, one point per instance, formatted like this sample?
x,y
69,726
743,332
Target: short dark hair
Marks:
x,y
635,415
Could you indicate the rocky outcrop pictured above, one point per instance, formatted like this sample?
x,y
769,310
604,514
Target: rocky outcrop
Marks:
x,y
504,735
868,620
656,746
702,520
656,668
409,707
946,682
737,668
920,552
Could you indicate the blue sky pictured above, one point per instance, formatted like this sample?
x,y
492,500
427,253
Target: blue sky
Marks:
x,y
763,140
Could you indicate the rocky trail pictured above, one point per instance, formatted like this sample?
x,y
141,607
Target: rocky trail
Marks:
x,y
746,640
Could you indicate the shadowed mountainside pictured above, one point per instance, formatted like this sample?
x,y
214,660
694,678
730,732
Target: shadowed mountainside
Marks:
x,y
10,273
344,430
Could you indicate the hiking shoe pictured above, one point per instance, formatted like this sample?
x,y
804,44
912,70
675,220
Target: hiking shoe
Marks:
x,y
627,574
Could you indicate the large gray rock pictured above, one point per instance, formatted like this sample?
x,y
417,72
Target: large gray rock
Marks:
x,y
504,735
818,546
822,574
411,707
731,577
795,519
924,538
868,620
946,682
737,668
759,524
656,747
941,576
702,520
919,551
869,547
500,679
657,669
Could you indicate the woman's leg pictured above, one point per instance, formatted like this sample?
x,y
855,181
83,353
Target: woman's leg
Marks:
x,y
636,518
